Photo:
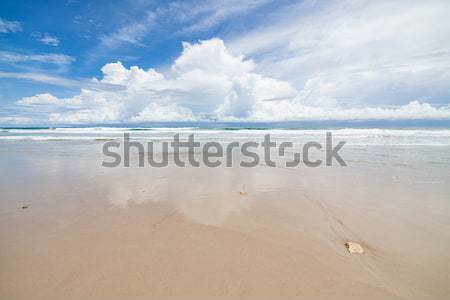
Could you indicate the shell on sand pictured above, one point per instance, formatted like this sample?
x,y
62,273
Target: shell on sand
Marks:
x,y
353,247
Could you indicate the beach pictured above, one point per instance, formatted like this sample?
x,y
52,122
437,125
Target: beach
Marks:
x,y
72,229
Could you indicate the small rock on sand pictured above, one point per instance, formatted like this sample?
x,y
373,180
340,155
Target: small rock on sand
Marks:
x,y
353,247
243,193
24,207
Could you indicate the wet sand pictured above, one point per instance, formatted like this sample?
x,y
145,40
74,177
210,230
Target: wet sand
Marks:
x,y
221,233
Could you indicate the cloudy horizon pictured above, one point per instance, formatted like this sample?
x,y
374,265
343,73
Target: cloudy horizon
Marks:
x,y
246,61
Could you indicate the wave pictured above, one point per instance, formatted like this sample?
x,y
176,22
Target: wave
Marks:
x,y
55,138
353,136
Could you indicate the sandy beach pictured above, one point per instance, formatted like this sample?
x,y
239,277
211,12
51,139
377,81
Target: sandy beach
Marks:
x,y
71,229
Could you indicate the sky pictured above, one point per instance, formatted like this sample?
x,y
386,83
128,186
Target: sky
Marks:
x,y
136,61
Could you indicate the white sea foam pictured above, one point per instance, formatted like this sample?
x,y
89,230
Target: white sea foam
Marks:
x,y
353,136
53,138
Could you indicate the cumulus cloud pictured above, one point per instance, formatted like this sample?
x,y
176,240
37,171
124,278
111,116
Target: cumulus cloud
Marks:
x,y
156,112
292,111
47,99
116,73
206,82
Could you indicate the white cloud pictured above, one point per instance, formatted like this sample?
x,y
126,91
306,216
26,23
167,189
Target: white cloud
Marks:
x,y
207,81
172,112
116,73
102,114
48,99
129,34
48,58
211,57
46,38
40,77
206,14
49,40
355,52
180,17
16,120
9,26
293,111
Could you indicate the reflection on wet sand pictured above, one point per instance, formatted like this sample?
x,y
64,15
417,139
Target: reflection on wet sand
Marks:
x,y
190,233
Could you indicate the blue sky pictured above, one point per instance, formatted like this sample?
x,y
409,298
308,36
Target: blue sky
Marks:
x,y
82,62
